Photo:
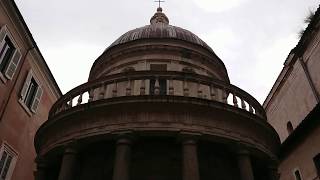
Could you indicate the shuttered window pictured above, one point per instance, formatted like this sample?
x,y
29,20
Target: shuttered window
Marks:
x,y
9,54
31,92
7,162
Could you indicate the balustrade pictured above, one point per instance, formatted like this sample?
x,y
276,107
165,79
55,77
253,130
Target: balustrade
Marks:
x,y
176,84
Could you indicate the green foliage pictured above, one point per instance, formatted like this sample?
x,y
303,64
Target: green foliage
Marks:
x,y
307,21
310,16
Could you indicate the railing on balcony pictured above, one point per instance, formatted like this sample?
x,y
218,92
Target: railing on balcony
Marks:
x,y
153,83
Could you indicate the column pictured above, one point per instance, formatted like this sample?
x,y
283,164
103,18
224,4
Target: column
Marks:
x,y
67,169
273,173
40,174
245,167
122,159
190,160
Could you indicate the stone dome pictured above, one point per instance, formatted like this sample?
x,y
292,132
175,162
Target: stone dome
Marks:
x,y
159,28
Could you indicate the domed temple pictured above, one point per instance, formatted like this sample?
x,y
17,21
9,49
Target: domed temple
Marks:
x,y
158,105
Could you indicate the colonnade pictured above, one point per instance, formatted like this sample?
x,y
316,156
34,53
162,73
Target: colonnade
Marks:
x,y
121,171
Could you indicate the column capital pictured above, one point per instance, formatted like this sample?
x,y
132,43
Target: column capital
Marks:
x,y
124,140
243,152
189,141
70,150
188,137
242,149
124,135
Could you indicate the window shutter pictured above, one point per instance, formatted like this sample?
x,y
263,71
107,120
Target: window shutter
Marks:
x,y
1,48
36,100
2,41
11,69
3,32
26,85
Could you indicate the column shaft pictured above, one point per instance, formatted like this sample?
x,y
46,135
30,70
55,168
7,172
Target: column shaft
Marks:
x,y
190,160
122,160
67,169
273,173
245,167
40,174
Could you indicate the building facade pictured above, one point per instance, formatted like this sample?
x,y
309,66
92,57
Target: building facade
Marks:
x,y
158,105
27,91
292,104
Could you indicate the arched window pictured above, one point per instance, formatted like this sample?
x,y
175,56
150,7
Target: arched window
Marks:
x,y
289,127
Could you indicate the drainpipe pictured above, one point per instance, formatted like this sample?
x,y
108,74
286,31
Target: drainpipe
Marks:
x,y
306,71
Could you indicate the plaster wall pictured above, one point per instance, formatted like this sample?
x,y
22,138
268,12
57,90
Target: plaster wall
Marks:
x,y
19,125
292,101
301,158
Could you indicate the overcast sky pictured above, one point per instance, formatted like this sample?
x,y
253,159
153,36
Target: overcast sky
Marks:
x,y
252,37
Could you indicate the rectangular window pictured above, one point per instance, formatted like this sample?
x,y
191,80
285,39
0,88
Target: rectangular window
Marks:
x,y
158,67
31,93
316,161
297,175
9,55
6,52
7,162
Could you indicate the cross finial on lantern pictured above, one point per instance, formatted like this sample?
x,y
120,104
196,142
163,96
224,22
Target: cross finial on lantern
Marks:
x,y
159,1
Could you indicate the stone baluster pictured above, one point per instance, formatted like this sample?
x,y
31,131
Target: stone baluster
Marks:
x,y
115,89
102,91
80,99
143,87
243,104
157,87
91,95
200,95
235,100
68,164
258,112
128,89
185,88
64,106
122,159
70,104
225,95
190,160
171,88
244,164
213,92
250,108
